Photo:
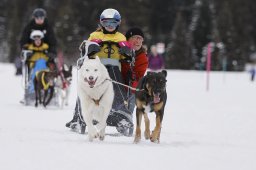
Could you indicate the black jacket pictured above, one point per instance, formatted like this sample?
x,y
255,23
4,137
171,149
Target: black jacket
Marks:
x,y
49,36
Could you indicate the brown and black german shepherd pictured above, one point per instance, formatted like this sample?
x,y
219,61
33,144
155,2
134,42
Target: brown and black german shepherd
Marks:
x,y
151,96
44,80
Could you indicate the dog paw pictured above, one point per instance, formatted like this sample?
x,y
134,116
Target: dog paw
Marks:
x,y
91,137
102,137
147,134
154,137
154,141
136,139
93,134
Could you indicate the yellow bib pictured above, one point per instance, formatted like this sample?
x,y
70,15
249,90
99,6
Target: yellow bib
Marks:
x,y
109,50
38,53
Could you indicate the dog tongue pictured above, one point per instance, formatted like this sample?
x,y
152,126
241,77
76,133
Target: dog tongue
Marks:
x,y
91,83
156,98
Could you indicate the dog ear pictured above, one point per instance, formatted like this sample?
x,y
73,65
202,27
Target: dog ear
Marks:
x,y
65,67
150,73
144,81
97,58
164,72
70,68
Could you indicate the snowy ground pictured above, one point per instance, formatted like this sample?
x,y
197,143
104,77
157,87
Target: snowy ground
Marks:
x,y
202,130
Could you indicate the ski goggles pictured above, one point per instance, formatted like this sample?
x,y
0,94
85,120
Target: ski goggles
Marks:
x,y
36,38
109,23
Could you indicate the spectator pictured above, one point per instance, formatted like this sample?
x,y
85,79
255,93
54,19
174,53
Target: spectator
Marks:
x,y
156,61
252,73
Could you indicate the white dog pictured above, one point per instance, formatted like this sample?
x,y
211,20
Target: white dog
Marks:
x,y
96,94
63,84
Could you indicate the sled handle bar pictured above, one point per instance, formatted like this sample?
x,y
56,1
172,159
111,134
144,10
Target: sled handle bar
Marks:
x,y
24,54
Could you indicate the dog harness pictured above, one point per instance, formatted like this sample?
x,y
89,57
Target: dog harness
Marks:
x,y
97,102
45,85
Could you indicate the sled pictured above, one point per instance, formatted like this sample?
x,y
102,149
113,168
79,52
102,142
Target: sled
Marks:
x,y
120,116
28,77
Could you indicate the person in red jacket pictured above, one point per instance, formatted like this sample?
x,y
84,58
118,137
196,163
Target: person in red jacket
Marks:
x,y
135,72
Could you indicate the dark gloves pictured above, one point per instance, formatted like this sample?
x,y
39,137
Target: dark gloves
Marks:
x,y
51,56
26,54
128,53
131,80
89,48
51,61
93,49
29,54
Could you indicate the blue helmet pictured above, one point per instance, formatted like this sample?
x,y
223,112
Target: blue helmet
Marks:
x,y
110,18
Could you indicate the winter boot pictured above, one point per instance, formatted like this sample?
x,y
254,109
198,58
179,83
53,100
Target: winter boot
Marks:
x,y
77,123
73,123
82,126
122,121
125,128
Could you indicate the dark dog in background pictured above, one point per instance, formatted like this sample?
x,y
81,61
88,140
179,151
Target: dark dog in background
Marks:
x,y
151,96
44,81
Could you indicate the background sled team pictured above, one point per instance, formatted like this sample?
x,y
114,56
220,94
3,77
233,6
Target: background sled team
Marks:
x,y
123,56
